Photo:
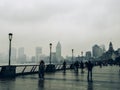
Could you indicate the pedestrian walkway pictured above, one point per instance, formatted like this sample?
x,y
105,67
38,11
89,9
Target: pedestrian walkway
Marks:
x,y
105,78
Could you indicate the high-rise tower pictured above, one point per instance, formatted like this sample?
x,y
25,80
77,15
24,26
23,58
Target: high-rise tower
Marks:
x,y
21,55
38,53
13,55
58,51
97,51
110,48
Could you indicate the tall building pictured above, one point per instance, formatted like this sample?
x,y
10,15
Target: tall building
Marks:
x,y
119,51
110,47
97,51
88,55
33,59
53,58
58,51
110,54
103,48
38,53
21,51
21,55
13,55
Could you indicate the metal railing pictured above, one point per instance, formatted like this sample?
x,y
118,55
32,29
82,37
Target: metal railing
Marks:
x,y
33,69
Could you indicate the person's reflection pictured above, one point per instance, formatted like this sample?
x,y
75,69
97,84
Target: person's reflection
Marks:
x,y
90,86
119,74
41,84
64,73
82,77
76,76
76,73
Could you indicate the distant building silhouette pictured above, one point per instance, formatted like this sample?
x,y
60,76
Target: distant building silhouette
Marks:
x,y
97,51
54,58
110,54
111,50
21,51
118,51
33,59
88,55
21,55
13,55
58,51
103,48
38,53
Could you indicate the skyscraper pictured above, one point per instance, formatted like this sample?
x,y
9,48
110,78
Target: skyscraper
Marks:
x,y
103,48
53,58
21,55
58,51
13,55
97,51
110,48
110,54
21,51
38,53
88,55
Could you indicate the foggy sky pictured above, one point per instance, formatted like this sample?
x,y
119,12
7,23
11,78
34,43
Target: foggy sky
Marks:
x,y
77,24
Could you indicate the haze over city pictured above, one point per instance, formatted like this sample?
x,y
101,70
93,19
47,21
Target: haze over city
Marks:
x,y
77,24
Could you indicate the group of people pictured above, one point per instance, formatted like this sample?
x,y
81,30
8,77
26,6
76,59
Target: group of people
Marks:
x,y
81,65
76,65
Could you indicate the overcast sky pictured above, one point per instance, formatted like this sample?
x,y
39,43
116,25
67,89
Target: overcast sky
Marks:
x,y
77,24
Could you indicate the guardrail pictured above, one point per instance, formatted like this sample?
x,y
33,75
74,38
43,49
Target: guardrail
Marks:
x,y
31,69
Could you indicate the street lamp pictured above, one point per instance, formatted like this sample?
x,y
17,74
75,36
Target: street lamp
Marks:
x,y
50,52
10,39
50,67
72,54
82,55
8,71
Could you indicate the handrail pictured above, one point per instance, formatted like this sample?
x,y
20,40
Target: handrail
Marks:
x,y
32,69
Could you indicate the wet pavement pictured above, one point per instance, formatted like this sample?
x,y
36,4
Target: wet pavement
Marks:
x,y
105,78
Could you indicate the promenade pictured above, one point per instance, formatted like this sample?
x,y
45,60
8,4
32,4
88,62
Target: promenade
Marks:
x,y
105,78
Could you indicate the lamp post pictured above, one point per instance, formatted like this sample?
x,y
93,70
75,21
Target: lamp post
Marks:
x,y
72,54
10,39
82,55
10,70
50,52
50,67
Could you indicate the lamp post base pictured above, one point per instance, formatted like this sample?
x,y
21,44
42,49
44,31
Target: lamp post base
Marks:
x,y
8,72
50,68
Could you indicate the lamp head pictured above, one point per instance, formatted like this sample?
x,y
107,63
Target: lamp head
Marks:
x,y
50,44
72,50
10,36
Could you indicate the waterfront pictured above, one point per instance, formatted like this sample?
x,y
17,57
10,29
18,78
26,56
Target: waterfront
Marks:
x,y
106,78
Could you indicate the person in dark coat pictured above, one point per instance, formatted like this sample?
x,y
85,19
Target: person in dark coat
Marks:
x,y
64,66
82,66
41,69
89,67
76,66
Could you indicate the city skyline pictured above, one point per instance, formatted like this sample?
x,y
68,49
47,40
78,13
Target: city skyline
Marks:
x,y
43,53
76,24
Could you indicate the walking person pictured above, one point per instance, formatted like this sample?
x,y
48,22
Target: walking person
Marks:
x,y
89,67
64,66
76,66
82,66
41,69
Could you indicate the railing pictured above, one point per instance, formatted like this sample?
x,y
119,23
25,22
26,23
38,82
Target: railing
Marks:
x,y
33,69
26,69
